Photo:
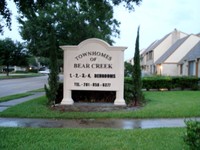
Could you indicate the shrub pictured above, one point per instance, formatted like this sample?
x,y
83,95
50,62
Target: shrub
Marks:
x,y
33,71
161,82
186,82
192,135
157,83
59,95
128,89
20,71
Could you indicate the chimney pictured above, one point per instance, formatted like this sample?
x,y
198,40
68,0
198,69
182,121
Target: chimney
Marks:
x,y
175,35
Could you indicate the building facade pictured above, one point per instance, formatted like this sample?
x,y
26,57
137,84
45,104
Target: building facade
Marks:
x,y
165,56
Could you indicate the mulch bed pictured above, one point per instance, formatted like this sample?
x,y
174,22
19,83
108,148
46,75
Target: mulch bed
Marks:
x,y
93,107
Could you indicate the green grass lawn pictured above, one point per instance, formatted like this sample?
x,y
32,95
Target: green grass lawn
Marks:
x,y
21,95
168,104
91,139
15,96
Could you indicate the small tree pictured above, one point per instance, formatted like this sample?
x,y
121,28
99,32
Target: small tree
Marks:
x,y
51,92
137,81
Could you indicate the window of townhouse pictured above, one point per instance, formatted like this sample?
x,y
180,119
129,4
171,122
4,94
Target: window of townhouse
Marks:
x,y
191,68
150,55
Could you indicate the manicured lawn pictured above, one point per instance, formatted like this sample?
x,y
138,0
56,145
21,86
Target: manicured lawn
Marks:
x,y
91,139
15,96
168,104
21,95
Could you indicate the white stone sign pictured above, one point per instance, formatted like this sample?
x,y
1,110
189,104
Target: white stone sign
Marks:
x,y
93,65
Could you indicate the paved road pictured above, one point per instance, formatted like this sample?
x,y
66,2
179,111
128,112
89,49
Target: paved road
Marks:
x,y
15,86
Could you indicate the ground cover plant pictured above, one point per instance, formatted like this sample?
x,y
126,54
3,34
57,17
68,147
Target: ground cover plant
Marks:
x,y
92,139
192,136
167,104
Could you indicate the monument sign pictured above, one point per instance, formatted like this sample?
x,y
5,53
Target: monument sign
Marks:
x,y
93,65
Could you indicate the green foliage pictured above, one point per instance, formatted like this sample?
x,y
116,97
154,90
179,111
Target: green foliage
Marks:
x,y
137,82
20,72
162,82
59,95
192,135
186,82
12,53
44,61
128,69
72,22
157,83
128,3
128,90
5,13
29,7
51,92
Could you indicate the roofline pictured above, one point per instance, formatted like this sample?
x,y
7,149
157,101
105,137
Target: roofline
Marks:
x,y
159,62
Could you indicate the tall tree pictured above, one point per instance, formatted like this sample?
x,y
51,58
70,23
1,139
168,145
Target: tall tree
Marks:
x,y
66,23
12,53
5,15
70,22
137,81
30,6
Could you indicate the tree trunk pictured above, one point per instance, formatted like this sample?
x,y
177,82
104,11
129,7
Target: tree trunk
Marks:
x,y
7,70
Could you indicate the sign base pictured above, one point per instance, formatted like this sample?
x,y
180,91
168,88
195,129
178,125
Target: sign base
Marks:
x,y
120,102
67,101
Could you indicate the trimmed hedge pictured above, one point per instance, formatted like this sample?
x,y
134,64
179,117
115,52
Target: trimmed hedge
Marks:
x,y
161,82
157,83
186,82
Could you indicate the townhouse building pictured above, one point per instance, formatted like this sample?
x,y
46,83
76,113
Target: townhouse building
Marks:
x,y
176,54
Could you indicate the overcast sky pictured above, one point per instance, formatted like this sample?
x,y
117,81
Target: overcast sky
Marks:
x,y
155,17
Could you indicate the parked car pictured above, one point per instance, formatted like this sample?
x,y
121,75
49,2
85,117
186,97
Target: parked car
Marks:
x,y
44,71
